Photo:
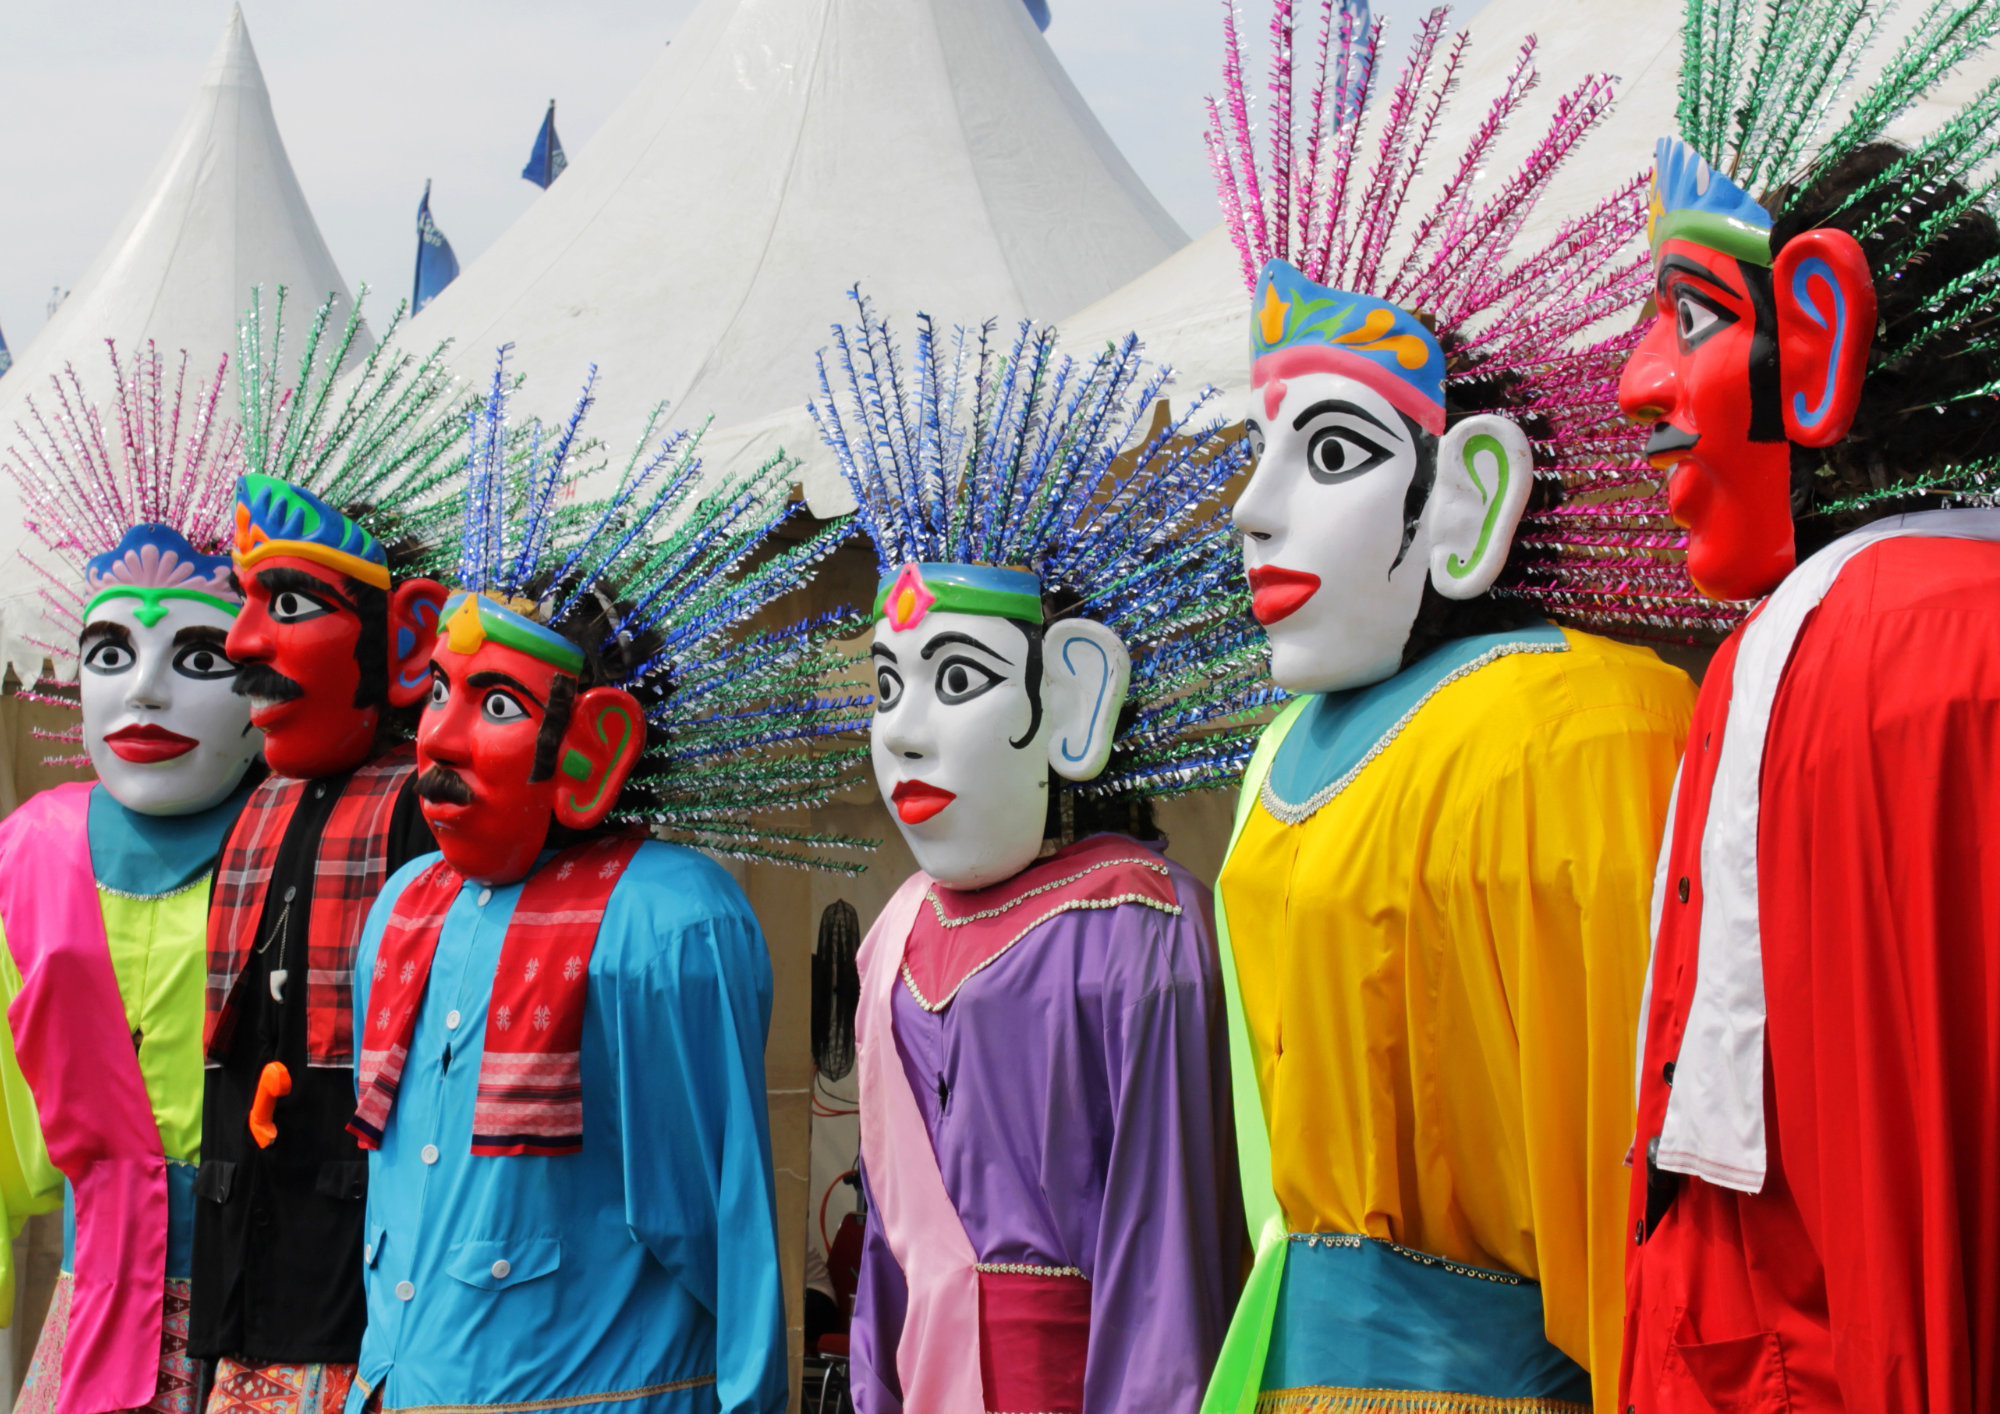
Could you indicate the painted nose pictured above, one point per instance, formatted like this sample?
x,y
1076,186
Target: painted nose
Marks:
x,y
1256,512
249,639
1649,388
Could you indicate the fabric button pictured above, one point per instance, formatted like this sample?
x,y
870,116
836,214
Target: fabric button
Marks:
x,y
485,897
368,1253
1638,1235
430,1154
1667,1072
1682,888
291,892
451,1020
501,1269
319,792
404,1291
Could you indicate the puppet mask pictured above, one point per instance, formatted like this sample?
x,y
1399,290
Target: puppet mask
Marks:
x,y
164,731
1748,355
1360,494
508,744
325,646
975,704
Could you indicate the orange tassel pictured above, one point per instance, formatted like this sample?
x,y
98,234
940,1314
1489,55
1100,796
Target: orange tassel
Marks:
x,y
272,1082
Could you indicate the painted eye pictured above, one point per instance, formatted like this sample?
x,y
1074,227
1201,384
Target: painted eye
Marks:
x,y
1255,437
440,689
1337,454
888,688
289,606
962,679
108,655
1695,318
203,663
503,707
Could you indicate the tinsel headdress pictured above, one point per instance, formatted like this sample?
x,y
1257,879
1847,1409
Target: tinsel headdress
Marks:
x,y
133,500
377,448
1000,477
1519,329
654,586
1765,123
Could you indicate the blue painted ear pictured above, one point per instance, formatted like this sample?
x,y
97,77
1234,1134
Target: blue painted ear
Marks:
x,y
1825,299
1087,672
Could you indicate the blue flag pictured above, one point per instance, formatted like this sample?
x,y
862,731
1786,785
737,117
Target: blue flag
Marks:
x,y
436,265
548,161
6,359
1040,10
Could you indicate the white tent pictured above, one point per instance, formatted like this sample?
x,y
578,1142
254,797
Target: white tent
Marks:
x,y
221,213
776,153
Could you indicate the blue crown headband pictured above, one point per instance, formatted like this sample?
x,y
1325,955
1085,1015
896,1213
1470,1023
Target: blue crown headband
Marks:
x,y
274,518
1691,201
1302,327
155,563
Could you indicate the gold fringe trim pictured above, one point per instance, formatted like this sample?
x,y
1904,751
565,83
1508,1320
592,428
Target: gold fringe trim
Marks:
x,y
567,1402
1330,1399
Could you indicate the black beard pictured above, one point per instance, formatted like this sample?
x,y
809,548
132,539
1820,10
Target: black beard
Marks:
x,y
443,786
264,681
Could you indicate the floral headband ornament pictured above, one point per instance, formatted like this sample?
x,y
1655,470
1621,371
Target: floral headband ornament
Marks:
x,y
275,518
666,572
1444,306
1006,480
125,500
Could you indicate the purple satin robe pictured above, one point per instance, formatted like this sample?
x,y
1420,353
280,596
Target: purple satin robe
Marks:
x,y
1076,1093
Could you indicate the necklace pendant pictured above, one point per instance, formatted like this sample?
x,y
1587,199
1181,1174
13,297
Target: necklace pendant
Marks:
x,y
278,976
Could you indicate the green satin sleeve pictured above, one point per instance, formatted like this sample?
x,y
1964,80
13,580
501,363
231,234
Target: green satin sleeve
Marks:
x,y
29,1183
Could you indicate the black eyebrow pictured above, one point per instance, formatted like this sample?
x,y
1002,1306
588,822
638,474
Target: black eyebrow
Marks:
x,y
280,578
200,633
1327,405
944,640
1690,267
490,678
881,650
104,628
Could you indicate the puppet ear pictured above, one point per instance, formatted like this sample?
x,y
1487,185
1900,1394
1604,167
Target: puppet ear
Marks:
x,y
1485,471
414,606
606,733
1826,325
1085,673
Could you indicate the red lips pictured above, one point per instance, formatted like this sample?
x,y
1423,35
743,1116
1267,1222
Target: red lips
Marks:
x,y
1278,593
148,744
917,801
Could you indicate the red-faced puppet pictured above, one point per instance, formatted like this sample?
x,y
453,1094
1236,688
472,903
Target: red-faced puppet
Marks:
x,y
327,646
1751,355
509,744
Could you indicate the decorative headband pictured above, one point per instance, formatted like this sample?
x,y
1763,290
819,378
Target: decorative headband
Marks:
x,y
1302,327
1692,201
916,589
154,563
275,517
470,619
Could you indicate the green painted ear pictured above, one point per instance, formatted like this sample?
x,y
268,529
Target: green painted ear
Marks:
x,y
1485,471
607,731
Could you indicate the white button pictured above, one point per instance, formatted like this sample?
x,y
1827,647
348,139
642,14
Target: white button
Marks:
x,y
485,897
451,1020
430,1153
404,1291
501,1268
368,1253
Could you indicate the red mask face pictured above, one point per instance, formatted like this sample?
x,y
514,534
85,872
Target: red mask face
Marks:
x,y
477,748
299,639
1706,379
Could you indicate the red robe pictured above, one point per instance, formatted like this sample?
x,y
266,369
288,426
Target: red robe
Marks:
x,y
1866,1273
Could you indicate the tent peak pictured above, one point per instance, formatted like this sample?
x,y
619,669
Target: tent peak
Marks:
x,y
234,62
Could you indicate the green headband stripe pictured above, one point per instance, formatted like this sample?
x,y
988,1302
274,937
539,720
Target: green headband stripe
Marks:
x,y
151,610
512,630
1726,234
972,599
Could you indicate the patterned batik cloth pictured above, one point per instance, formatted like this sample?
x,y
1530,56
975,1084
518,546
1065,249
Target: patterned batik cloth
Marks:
x,y
175,1392
279,1389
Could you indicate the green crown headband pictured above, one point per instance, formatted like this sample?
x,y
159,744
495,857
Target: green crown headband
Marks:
x,y
916,589
471,619
1692,201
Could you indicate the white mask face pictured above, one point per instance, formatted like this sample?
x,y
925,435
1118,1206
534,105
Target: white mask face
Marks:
x,y
960,754
163,729
1322,518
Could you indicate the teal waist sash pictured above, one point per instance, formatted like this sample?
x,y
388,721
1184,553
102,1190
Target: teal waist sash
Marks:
x,y
1355,1313
180,1222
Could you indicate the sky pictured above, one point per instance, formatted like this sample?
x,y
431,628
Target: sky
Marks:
x,y
374,96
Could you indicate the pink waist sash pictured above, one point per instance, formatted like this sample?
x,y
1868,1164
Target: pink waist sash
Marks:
x,y
1034,1337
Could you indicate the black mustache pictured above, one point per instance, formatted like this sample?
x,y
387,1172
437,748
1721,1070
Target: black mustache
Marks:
x,y
1666,437
263,680
441,785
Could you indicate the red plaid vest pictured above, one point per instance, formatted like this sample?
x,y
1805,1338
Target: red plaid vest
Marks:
x,y
348,872
530,1098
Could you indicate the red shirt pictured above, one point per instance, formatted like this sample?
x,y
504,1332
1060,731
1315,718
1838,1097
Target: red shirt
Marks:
x,y
1866,1274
